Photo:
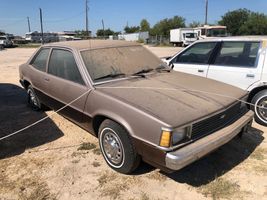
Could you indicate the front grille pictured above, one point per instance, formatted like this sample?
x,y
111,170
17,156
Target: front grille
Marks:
x,y
218,121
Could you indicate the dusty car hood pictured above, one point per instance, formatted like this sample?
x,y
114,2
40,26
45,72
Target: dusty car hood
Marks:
x,y
181,103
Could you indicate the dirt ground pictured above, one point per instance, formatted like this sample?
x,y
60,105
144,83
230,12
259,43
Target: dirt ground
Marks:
x,y
58,160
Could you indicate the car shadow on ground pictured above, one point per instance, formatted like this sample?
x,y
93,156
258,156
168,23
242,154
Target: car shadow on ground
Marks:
x,y
220,161
15,114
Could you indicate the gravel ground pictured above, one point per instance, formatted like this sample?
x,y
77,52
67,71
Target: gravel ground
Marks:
x,y
57,160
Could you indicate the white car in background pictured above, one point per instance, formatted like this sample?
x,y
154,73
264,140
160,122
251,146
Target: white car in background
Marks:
x,y
239,61
5,41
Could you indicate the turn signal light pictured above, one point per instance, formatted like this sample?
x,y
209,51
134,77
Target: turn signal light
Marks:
x,y
165,140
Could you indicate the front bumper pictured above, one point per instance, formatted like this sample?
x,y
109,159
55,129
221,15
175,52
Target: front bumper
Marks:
x,y
180,158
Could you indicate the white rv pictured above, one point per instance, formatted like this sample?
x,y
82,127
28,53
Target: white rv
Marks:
x,y
183,36
208,31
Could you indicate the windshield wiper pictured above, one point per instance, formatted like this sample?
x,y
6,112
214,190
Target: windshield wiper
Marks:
x,y
142,72
110,76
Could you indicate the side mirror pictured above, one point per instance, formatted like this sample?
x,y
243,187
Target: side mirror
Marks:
x,y
171,65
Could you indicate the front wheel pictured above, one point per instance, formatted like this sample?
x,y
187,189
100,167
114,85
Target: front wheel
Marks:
x,y
117,148
260,108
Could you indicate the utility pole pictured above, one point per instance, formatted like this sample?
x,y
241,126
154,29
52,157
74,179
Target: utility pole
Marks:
x,y
41,21
206,13
103,25
29,26
86,18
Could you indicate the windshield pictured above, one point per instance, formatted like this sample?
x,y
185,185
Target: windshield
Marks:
x,y
2,38
190,35
118,60
218,32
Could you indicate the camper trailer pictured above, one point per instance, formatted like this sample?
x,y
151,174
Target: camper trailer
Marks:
x,y
208,31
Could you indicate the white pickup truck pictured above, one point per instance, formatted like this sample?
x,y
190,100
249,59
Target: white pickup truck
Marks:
x,y
239,61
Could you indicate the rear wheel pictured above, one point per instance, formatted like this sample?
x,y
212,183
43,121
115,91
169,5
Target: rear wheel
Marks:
x,y
117,148
260,108
33,99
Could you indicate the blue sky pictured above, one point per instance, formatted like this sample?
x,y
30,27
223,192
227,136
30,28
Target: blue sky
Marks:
x,y
59,15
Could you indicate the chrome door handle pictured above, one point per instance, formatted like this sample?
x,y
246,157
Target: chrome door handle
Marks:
x,y
250,75
200,70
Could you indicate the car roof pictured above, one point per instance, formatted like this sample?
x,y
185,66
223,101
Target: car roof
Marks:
x,y
237,38
91,44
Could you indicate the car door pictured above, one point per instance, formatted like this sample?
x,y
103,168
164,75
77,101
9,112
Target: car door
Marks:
x,y
37,73
67,84
195,59
237,63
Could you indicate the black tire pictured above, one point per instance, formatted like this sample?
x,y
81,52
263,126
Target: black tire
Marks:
x,y
33,100
260,100
114,139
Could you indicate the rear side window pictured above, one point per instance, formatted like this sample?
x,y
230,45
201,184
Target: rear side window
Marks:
x,y
197,54
62,64
39,62
241,54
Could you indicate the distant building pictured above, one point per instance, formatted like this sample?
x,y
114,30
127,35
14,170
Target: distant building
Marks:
x,y
134,36
37,37
67,35
51,36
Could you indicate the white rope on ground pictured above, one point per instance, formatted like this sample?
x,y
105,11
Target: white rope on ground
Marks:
x,y
148,88
37,122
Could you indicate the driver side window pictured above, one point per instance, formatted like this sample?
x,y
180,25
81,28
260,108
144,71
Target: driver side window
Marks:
x,y
197,54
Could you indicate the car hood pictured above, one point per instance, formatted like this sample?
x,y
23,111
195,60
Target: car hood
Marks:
x,y
175,98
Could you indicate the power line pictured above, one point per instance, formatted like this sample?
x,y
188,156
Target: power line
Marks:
x,y
144,88
48,116
13,23
65,19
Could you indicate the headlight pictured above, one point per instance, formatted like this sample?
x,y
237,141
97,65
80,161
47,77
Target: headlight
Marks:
x,y
173,137
178,135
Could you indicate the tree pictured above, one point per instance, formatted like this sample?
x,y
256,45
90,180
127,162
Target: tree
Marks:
x,y
234,20
195,24
255,25
144,25
132,29
107,32
245,22
164,26
80,33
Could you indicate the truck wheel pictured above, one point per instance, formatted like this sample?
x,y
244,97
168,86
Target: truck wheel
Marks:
x,y
260,108
33,99
117,148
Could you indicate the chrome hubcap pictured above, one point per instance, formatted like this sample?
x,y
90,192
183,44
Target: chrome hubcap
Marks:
x,y
263,109
112,147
